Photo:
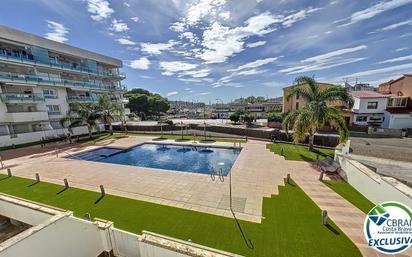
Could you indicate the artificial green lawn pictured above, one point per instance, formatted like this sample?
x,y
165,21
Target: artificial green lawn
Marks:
x,y
292,224
353,196
299,152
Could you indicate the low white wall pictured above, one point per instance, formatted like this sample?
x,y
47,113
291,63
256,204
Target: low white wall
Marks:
x,y
25,138
27,215
373,186
125,244
67,237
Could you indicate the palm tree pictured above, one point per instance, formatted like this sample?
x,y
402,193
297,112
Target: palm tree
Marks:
x,y
110,111
82,114
316,113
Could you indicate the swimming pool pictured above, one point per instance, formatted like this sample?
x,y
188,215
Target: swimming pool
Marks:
x,y
196,159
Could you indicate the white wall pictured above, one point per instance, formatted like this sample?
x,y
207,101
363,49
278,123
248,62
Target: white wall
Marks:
x,y
373,186
361,104
398,121
67,237
27,215
24,138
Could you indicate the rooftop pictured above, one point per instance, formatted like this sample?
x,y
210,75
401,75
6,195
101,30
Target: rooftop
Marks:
x,y
368,94
16,36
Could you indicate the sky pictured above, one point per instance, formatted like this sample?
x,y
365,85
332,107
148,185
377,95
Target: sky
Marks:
x,y
219,50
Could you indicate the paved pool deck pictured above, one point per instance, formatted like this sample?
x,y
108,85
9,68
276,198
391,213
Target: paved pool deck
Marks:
x,y
257,173
254,176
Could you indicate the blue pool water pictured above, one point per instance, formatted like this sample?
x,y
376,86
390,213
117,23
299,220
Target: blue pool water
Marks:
x,y
181,158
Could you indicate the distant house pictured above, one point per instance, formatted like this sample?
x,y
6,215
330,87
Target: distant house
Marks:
x,y
368,108
297,102
399,109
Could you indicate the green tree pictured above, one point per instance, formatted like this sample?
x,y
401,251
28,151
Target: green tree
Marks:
x,y
274,117
316,112
235,117
82,114
249,119
110,111
145,103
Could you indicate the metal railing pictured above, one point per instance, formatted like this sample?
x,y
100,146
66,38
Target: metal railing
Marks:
x,y
55,81
29,59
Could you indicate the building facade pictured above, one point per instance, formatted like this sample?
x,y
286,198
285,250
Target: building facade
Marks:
x,y
40,77
296,102
398,113
368,108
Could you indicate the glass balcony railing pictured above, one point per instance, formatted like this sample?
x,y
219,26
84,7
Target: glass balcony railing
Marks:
x,y
82,99
18,97
94,99
43,80
28,59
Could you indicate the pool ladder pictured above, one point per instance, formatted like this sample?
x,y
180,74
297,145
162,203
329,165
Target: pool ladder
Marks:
x,y
219,173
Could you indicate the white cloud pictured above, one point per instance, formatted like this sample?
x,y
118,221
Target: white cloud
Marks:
x,y
407,66
172,93
250,72
126,4
140,64
57,32
325,61
323,57
195,73
298,16
321,66
135,19
398,59
173,67
205,93
401,49
204,8
157,48
256,44
374,10
220,42
255,64
393,26
100,9
125,41
119,26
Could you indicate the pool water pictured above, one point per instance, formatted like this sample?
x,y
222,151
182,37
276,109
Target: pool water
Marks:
x,y
197,159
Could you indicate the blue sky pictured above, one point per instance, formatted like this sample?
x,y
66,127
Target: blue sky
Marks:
x,y
203,50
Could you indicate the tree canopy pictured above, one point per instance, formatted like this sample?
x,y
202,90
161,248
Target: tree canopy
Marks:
x,y
144,103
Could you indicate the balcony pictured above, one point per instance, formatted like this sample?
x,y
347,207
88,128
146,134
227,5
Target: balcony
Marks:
x,y
8,77
82,99
26,116
28,59
54,113
21,98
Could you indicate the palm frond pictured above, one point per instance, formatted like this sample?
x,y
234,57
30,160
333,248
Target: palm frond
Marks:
x,y
311,82
336,118
336,93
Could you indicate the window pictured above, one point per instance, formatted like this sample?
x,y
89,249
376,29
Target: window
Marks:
x,y
3,130
53,109
372,105
55,124
397,102
49,93
361,118
297,106
297,96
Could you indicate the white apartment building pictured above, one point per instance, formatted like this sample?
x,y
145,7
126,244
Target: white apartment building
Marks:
x,y
368,108
40,77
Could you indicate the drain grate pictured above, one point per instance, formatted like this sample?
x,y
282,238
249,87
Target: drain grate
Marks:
x,y
238,203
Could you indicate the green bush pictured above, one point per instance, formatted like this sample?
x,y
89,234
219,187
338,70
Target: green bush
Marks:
x,y
235,117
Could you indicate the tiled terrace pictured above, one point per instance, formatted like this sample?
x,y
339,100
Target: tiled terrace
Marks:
x,y
257,173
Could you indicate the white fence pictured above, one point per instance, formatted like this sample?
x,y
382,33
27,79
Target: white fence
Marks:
x,y
373,186
30,137
57,233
